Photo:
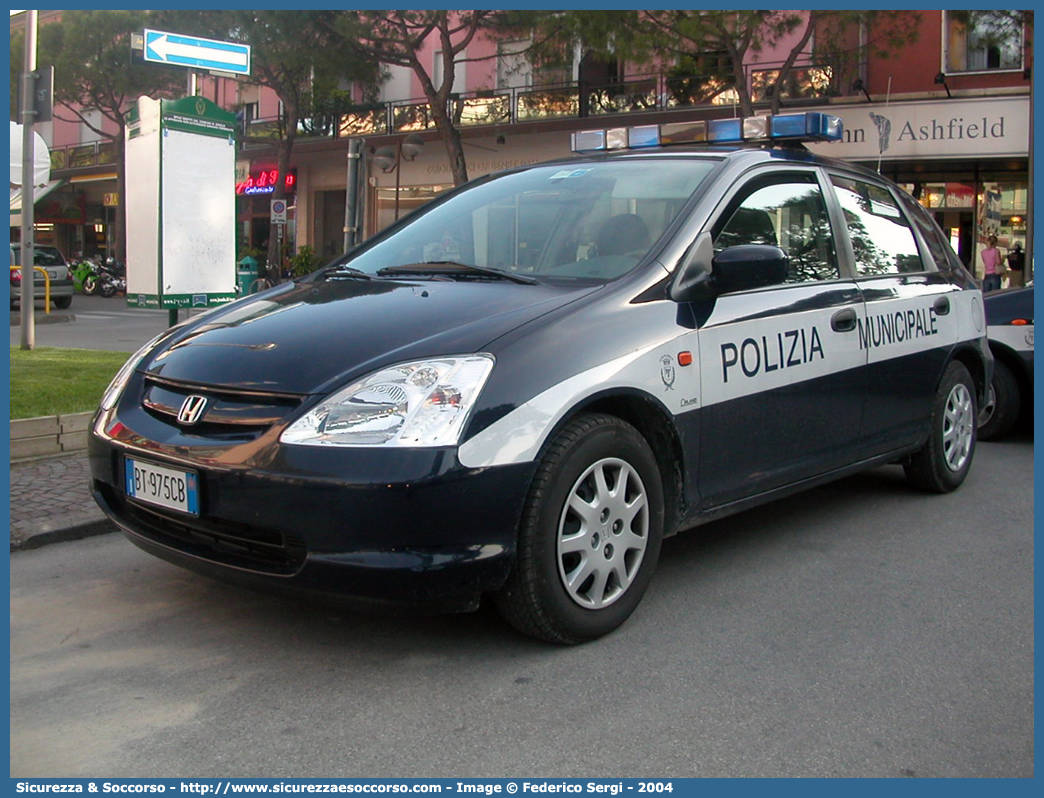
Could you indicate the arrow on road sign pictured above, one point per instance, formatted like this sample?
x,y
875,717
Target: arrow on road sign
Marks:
x,y
191,51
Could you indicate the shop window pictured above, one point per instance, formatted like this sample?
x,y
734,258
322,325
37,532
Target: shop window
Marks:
x,y
982,41
410,198
459,72
1002,211
514,71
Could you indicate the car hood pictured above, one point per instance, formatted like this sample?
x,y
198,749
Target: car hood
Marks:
x,y
308,337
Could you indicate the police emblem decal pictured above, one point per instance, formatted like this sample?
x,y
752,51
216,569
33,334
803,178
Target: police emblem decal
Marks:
x,y
667,372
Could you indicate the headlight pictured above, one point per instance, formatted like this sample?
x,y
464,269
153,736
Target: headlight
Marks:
x,y
424,403
119,382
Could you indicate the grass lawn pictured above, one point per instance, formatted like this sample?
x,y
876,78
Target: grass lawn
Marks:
x,y
49,381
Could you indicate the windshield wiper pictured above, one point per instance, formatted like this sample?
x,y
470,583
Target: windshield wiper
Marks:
x,y
344,270
453,267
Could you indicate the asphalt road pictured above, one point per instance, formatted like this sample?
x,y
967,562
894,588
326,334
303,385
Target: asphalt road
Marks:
x,y
97,323
861,629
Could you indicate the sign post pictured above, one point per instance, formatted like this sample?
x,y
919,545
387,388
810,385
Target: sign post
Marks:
x,y
181,248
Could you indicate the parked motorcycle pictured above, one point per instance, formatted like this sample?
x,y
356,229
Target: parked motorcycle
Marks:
x,y
112,278
85,276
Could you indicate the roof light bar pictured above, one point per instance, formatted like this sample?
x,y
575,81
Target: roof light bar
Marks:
x,y
808,126
683,132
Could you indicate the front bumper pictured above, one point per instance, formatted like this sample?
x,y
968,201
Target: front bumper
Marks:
x,y
407,528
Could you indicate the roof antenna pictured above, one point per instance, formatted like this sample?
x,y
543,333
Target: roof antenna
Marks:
x,y
884,140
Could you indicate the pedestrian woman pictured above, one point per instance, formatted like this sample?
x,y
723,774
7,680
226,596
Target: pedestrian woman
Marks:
x,y
1016,266
991,265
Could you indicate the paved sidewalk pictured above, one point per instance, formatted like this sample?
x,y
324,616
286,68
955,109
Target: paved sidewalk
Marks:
x,y
51,502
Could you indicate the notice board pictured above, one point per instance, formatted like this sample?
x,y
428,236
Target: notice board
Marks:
x,y
181,204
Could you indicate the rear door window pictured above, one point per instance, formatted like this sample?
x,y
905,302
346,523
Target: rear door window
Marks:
x,y
882,240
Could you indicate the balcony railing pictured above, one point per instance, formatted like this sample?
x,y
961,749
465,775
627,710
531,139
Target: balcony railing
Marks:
x,y
634,94
83,156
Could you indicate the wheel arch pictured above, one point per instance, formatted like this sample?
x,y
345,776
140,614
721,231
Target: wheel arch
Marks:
x,y
973,360
1010,358
653,422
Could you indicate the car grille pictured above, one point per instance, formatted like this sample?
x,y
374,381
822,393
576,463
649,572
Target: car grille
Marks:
x,y
253,548
228,415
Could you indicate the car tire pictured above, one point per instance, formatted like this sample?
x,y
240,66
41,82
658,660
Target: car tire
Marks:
x,y
63,302
942,464
590,534
1001,412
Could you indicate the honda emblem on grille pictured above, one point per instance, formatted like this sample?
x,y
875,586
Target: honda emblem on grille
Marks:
x,y
192,409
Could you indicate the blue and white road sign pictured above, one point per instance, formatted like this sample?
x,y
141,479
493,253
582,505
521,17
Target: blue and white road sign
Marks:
x,y
192,51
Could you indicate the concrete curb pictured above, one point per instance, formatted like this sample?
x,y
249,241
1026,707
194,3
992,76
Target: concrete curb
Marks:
x,y
57,317
76,532
49,435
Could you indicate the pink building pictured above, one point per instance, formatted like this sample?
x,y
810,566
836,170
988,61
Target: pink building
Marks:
x,y
957,105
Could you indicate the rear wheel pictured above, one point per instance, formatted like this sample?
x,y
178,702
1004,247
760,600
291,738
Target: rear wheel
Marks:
x,y
106,288
1001,411
63,302
590,534
943,463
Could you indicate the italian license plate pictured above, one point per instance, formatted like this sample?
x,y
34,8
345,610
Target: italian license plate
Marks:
x,y
162,486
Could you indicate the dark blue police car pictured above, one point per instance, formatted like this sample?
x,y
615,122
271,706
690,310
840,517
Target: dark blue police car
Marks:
x,y
521,388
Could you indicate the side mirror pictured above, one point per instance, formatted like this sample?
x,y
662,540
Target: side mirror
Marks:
x,y
749,266
704,275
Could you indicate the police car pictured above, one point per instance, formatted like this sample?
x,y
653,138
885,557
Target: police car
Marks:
x,y
520,389
1009,326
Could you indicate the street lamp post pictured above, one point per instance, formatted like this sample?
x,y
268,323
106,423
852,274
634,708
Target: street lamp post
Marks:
x,y
389,159
28,258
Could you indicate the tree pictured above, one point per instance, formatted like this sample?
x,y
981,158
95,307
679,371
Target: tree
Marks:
x,y
395,37
688,38
95,80
292,55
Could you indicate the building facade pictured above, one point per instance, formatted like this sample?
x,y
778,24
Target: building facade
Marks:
x,y
949,117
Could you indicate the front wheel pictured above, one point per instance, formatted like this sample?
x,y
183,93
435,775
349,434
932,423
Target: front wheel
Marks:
x,y
590,534
90,285
943,462
107,289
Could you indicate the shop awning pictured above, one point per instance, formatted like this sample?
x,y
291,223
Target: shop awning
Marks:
x,y
39,192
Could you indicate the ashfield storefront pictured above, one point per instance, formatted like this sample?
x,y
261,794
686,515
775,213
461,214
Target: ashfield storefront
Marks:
x,y
966,160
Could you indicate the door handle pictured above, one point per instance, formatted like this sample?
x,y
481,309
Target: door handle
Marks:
x,y
843,320
942,306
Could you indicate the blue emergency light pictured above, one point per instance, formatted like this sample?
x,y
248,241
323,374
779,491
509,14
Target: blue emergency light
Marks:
x,y
808,126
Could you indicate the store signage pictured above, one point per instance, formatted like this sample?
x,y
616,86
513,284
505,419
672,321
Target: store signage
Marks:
x,y
264,181
983,128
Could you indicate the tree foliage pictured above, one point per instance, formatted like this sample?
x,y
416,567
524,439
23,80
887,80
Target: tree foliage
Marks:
x,y
95,80
291,54
706,51
396,37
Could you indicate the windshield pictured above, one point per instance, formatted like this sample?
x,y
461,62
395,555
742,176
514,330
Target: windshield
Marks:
x,y
590,221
